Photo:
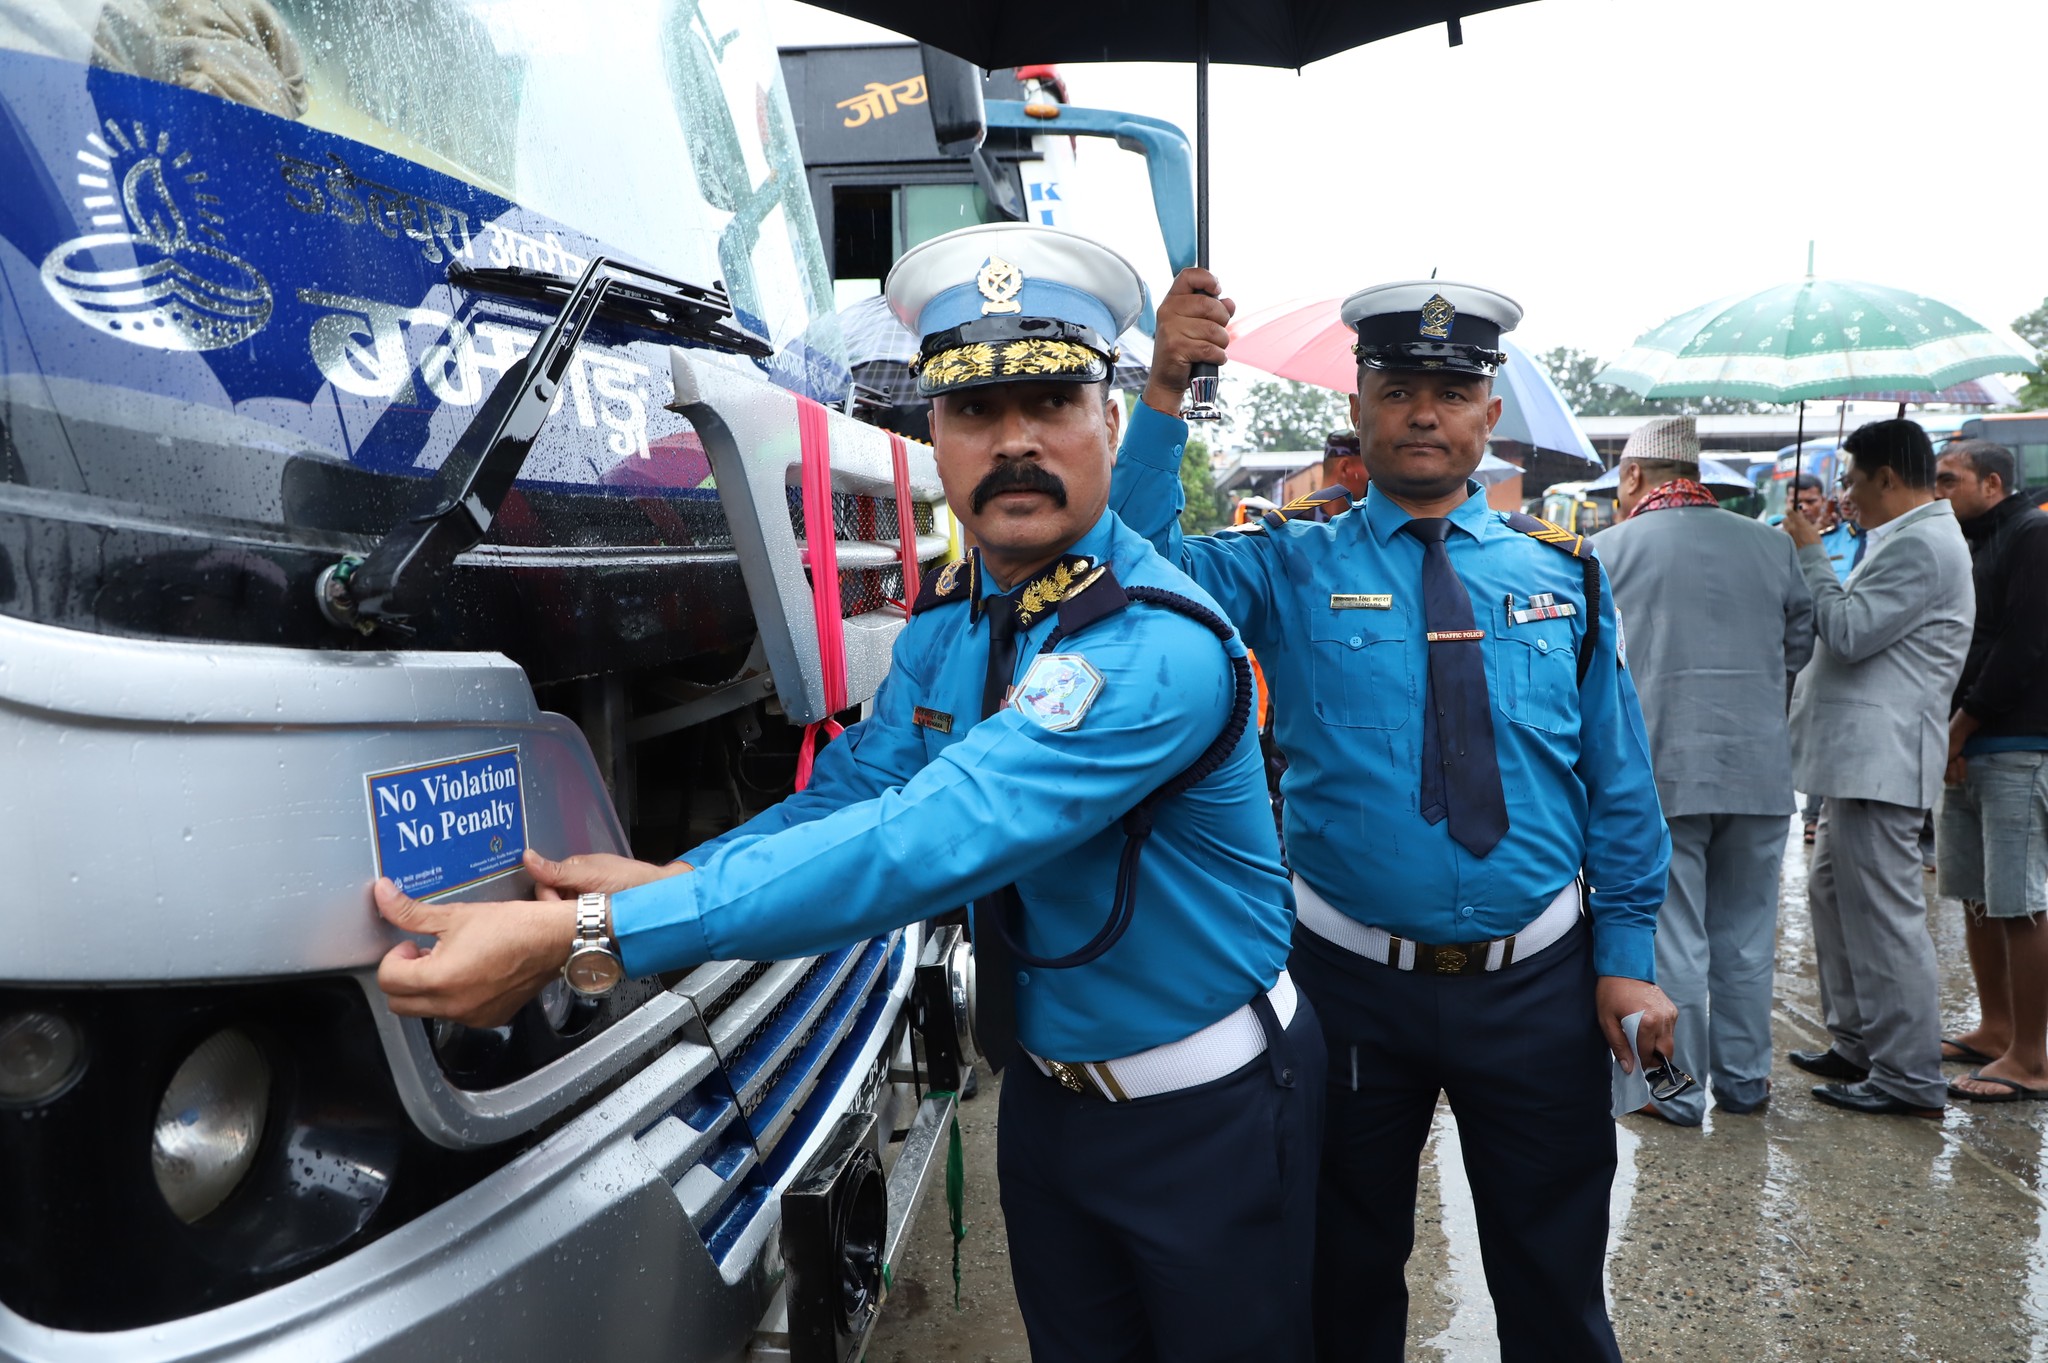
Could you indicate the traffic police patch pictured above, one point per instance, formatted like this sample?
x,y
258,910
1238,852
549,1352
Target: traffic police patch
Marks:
x,y
1057,690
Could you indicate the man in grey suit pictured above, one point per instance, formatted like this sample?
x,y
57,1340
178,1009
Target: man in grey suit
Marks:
x,y
1870,732
1718,618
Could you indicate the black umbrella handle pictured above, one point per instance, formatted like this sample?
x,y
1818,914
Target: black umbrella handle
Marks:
x,y
1201,399
1202,377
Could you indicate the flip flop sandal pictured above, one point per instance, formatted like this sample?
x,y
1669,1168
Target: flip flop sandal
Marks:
x,y
2020,1092
1964,1055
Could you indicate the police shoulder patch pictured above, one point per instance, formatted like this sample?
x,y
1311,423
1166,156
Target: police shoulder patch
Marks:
x,y
1057,690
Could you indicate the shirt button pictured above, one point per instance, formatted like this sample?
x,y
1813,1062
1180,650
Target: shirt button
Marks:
x,y
1465,912
1024,977
1357,641
1543,645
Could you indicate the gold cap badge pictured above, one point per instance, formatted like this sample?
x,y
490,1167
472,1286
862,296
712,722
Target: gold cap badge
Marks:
x,y
1000,282
1437,316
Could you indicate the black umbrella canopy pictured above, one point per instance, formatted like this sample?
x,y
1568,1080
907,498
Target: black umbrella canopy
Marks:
x,y
1284,33
1243,32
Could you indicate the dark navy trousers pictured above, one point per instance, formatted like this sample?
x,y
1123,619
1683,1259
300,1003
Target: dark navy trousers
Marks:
x,y
1173,1229
1520,1054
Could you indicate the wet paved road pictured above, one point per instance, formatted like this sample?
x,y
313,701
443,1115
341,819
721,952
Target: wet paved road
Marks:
x,y
1798,1233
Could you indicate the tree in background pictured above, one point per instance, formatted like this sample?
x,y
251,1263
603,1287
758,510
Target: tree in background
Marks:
x,y
2033,329
1203,513
1281,414
1573,370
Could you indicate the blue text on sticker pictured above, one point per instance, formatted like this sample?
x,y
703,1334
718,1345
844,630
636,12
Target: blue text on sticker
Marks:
x,y
448,824
1057,690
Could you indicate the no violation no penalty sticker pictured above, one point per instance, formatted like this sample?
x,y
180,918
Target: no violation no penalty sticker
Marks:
x,y
448,824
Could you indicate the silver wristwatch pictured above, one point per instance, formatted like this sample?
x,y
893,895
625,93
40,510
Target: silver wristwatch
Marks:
x,y
593,967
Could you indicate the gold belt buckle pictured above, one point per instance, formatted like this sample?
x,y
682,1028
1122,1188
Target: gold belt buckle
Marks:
x,y
1070,1075
1449,961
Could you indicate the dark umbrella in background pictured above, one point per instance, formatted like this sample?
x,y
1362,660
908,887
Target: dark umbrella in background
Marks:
x,y
1282,33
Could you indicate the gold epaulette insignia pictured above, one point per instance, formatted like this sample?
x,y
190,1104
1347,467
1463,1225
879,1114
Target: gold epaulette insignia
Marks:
x,y
953,582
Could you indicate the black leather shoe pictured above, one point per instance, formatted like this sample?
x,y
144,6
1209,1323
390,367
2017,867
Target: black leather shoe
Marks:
x,y
1867,1097
1828,1064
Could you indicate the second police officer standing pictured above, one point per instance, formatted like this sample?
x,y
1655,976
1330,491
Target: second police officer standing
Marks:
x,y
1162,1110
1464,743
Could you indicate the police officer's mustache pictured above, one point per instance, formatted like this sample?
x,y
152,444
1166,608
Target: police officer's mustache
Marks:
x,y
1018,475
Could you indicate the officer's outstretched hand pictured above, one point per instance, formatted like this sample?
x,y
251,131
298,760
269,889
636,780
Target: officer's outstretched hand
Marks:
x,y
1193,328
1615,997
486,960
593,873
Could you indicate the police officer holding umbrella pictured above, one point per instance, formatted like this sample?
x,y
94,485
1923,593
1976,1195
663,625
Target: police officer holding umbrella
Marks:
x,y
1470,816
1062,740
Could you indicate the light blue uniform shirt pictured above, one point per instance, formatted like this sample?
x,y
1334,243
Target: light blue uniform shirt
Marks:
x,y
1348,687
1840,543
903,820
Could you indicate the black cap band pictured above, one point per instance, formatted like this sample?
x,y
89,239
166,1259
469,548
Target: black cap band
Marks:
x,y
1426,356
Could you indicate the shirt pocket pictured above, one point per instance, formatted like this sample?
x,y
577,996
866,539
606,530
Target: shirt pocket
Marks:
x,y
1537,668
1360,671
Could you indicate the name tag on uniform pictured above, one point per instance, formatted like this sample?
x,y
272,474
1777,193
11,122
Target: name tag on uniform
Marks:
x,y
1542,606
1361,601
938,721
1455,636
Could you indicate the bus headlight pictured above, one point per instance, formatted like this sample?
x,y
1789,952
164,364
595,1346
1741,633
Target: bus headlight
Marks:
x,y
210,1123
40,1055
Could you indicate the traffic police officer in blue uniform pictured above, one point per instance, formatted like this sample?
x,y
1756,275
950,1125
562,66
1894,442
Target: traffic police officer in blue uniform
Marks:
x,y
1463,743
1161,1116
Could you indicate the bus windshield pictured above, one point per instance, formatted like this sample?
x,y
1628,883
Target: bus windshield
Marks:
x,y
232,221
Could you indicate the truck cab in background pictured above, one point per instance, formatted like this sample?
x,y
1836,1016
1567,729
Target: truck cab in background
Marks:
x,y
276,277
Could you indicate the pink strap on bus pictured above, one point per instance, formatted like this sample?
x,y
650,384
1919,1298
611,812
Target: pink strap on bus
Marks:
x,y
906,518
821,546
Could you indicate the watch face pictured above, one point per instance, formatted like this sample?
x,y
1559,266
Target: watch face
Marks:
x,y
593,972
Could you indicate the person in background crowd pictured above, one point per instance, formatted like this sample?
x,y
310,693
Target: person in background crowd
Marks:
x,y
1464,741
1868,721
1842,535
1842,538
1812,500
1993,829
1719,618
1342,466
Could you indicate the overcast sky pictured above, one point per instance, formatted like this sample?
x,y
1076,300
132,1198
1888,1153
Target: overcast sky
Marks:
x,y
1611,163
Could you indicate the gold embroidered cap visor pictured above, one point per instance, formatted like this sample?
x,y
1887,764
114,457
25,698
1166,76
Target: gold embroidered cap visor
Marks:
x,y
990,350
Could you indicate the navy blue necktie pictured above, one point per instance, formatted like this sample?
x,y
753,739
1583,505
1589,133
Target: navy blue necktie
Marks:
x,y
1460,772
1862,543
995,989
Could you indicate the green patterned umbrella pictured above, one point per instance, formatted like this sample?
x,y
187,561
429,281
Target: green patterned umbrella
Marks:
x,y
1814,339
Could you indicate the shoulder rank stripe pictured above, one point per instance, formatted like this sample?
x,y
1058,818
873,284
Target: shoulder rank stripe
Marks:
x,y
1543,531
1326,505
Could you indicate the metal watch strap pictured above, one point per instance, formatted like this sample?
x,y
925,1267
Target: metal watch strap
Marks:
x,y
593,919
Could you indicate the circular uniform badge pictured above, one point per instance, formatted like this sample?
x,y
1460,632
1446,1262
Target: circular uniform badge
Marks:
x,y
1057,690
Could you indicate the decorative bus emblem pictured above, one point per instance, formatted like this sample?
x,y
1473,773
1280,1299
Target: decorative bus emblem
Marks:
x,y
153,283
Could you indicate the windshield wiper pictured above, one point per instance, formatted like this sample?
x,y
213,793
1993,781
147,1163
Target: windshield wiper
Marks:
x,y
456,513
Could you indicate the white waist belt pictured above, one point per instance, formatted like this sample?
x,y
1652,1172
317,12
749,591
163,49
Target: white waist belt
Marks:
x,y
1225,1045
1333,925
